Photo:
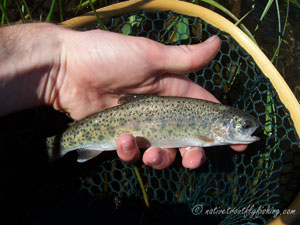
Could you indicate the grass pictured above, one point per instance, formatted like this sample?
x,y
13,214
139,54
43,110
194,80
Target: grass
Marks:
x,y
101,25
139,178
4,16
231,15
281,30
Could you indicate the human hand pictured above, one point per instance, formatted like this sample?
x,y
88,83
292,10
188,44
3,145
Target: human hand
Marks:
x,y
96,67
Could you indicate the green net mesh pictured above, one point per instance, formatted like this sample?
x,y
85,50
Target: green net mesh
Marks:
x,y
262,177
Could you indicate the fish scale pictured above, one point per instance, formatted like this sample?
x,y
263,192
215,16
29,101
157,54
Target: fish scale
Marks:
x,y
166,122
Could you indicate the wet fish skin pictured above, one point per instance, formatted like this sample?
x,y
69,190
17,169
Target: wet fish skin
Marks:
x,y
167,122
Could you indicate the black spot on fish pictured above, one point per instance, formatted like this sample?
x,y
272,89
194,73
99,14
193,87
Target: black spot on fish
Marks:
x,y
75,132
96,126
100,137
86,136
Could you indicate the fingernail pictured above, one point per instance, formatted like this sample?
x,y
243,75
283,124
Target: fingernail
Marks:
x,y
191,148
193,160
155,158
127,146
211,39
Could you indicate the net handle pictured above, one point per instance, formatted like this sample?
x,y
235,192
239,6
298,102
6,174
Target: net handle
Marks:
x,y
285,94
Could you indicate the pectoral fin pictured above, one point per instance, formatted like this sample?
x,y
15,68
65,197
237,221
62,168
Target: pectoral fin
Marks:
x,y
205,139
86,154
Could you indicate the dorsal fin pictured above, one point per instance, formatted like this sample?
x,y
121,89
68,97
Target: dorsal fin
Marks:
x,y
129,98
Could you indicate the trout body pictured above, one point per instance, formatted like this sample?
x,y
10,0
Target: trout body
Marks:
x,y
166,122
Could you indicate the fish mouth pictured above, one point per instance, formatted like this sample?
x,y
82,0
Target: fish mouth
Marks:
x,y
250,137
247,140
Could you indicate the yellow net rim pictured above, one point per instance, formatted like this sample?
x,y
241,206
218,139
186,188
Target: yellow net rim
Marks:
x,y
284,92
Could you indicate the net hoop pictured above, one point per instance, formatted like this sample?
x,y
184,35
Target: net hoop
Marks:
x,y
284,92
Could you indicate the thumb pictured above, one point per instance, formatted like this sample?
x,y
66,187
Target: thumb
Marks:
x,y
187,58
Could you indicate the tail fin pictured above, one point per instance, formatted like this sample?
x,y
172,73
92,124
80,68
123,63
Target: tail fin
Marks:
x,y
55,151
53,148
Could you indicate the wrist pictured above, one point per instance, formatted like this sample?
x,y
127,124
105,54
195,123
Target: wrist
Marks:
x,y
29,56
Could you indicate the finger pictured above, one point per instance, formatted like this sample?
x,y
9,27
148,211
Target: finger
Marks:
x,y
127,148
239,148
159,158
186,58
192,157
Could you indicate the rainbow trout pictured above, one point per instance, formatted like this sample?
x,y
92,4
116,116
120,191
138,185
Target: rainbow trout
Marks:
x,y
167,122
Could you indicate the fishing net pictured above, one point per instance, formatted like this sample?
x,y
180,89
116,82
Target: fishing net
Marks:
x,y
264,177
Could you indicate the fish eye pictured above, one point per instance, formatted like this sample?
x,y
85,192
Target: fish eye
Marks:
x,y
246,124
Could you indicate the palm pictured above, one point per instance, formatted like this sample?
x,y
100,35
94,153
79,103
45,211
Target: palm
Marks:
x,y
110,65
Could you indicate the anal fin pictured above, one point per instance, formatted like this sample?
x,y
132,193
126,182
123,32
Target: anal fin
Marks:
x,y
86,154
